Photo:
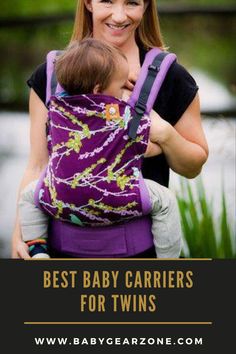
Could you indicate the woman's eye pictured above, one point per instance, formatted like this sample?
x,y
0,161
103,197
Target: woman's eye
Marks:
x,y
106,1
133,3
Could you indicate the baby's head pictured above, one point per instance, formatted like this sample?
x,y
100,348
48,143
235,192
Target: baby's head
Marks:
x,y
92,66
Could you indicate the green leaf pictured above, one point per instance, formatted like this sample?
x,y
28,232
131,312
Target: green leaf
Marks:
x,y
205,235
75,220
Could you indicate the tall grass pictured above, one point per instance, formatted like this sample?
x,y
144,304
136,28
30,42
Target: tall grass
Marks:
x,y
205,234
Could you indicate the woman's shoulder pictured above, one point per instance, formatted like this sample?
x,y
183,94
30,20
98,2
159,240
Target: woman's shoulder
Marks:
x,y
177,92
38,81
179,74
179,81
176,73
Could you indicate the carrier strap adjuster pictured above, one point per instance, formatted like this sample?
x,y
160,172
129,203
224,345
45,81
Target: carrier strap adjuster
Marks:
x,y
154,68
140,108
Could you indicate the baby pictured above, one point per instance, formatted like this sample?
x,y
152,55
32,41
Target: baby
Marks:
x,y
91,66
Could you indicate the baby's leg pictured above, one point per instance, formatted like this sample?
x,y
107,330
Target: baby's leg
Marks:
x,y
166,227
34,223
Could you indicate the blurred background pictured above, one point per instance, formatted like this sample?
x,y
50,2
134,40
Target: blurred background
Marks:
x,y
202,33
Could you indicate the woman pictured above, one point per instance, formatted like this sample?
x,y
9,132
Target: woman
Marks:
x,y
132,26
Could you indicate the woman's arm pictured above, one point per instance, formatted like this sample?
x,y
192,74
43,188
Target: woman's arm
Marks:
x,y
184,145
38,159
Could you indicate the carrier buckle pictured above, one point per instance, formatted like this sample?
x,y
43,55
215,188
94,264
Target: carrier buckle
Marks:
x,y
154,68
140,109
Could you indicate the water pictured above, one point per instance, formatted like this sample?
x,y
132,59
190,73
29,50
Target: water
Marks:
x,y
14,145
219,172
214,96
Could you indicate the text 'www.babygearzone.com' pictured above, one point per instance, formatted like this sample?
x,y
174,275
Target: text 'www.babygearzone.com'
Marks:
x,y
118,341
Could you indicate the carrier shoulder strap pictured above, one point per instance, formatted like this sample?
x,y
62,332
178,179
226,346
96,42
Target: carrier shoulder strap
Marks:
x,y
148,85
52,84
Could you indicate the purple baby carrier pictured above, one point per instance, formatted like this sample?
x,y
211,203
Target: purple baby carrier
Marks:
x,y
96,145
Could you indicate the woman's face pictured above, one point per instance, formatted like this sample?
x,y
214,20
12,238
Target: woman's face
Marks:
x,y
115,21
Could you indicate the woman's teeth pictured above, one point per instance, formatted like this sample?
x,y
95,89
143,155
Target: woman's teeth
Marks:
x,y
116,27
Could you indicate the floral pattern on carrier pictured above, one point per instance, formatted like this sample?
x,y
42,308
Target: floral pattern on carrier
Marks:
x,y
94,170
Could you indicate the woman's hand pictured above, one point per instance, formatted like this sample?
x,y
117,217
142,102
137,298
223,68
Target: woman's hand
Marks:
x,y
160,129
152,150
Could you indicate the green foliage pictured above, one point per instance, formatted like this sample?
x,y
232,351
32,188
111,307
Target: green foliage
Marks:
x,y
197,2
15,8
207,43
205,235
31,7
200,42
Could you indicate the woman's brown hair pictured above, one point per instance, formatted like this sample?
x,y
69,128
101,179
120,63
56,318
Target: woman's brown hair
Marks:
x,y
148,34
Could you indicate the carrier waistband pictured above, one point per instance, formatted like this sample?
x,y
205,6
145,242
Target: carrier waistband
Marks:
x,y
116,241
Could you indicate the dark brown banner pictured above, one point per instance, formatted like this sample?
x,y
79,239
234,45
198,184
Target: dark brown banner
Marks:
x,y
100,305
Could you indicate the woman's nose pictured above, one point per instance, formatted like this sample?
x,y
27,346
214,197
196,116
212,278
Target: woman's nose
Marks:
x,y
119,14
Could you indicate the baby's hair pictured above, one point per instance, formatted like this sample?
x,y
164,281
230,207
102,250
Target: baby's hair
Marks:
x,y
86,64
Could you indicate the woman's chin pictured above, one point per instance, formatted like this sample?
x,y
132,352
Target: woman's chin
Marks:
x,y
116,41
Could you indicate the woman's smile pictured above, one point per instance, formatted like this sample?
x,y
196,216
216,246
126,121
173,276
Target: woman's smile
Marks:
x,y
117,29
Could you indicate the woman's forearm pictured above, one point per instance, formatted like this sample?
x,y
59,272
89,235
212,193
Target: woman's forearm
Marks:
x,y
184,145
184,157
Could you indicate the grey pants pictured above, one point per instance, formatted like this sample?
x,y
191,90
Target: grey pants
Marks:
x,y
33,222
166,228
